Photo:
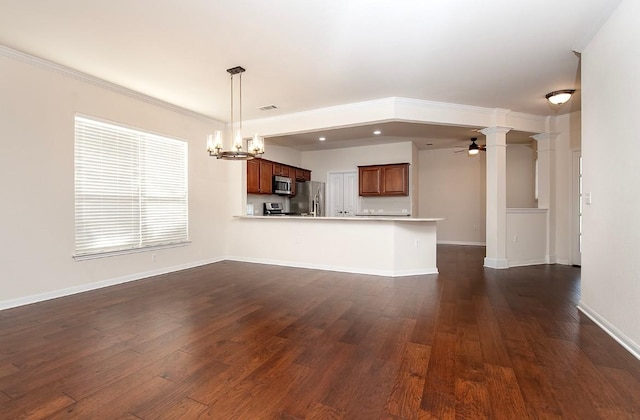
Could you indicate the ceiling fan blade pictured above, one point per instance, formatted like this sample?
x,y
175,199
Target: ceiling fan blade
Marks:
x,y
460,151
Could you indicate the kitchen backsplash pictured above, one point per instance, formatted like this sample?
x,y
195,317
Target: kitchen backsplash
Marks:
x,y
385,205
258,201
367,205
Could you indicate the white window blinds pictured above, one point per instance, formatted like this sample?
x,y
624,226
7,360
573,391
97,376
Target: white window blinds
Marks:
x,y
130,188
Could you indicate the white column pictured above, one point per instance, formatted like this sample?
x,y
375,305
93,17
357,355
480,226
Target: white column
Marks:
x,y
546,179
496,253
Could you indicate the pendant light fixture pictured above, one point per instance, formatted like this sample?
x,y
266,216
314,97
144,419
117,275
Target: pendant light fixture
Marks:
x,y
215,143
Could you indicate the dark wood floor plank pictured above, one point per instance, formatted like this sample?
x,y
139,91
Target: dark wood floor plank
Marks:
x,y
186,409
506,399
35,405
406,394
238,340
438,396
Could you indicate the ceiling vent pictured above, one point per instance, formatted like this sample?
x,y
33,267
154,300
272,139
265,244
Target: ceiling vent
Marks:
x,y
267,107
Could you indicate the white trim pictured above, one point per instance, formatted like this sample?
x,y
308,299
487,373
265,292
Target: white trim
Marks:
x,y
563,262
626,342
12,303
497,263
95,81
464,243
97,255
526,263
532,210
341,269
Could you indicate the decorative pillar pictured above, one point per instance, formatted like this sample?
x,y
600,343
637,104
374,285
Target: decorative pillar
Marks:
x,y
546,181
496,231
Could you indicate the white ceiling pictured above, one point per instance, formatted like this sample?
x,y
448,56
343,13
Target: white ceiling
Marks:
x,y
308,54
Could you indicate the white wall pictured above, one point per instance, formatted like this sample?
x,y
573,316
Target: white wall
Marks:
x,y
521,179
281,154
527,236
37,183
610,108
453,186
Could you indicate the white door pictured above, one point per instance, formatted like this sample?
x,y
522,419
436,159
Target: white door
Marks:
x,y
350,193
342,193
576,222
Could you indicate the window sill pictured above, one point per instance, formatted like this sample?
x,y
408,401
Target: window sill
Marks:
x,y
96,255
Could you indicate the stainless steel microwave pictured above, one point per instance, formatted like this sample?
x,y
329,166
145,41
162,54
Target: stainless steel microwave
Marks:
x,y
281,185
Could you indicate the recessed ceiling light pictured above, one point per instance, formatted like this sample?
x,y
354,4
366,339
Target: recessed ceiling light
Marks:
x,y
322,138
377,132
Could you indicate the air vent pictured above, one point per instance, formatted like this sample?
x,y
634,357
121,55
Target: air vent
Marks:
x,y
267,107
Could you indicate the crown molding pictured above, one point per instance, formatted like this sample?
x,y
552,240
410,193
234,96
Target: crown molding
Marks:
x,y
101,83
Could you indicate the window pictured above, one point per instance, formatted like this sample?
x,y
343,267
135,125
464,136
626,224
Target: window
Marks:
x,y
130,189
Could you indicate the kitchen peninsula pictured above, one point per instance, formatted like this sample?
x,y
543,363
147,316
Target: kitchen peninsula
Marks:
x,y
385,246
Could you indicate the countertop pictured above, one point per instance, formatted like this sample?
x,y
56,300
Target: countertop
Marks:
x,y
356,218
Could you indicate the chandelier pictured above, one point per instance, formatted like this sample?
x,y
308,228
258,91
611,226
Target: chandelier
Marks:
x,y
215,143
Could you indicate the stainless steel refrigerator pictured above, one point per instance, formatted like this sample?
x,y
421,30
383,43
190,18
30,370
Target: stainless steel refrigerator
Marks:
x,y
309,196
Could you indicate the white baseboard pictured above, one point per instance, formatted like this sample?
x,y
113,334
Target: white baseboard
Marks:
x,y
12,303
616,334
462,243
563,262
526,263
497,263
341,269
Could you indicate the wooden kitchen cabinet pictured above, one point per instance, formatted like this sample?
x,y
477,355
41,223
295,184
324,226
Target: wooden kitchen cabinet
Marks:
x,y
301,175
259,176
383,180
281,170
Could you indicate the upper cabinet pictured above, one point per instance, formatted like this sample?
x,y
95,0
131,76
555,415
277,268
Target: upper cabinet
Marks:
x,y
259,176
300,174
384,180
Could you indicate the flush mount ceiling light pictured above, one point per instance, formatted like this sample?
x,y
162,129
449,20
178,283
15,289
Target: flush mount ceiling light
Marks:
x,y
322,138
377,132
559,97
215,143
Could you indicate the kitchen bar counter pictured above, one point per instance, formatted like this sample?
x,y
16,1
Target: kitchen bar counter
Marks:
x,y
352,218
378,245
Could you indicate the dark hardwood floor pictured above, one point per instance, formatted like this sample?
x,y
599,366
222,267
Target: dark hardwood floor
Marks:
x,y
234,340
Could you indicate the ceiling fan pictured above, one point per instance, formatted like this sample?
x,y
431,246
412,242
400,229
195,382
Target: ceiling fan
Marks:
x,y
473,148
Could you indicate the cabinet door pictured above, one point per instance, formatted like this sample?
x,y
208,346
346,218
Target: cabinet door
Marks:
x,y
306,175
395,180
294,188
277,169
253,177
266,177
370,181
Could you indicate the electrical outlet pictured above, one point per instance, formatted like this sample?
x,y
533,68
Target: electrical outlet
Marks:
x,y
418,243
515,238
154,257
